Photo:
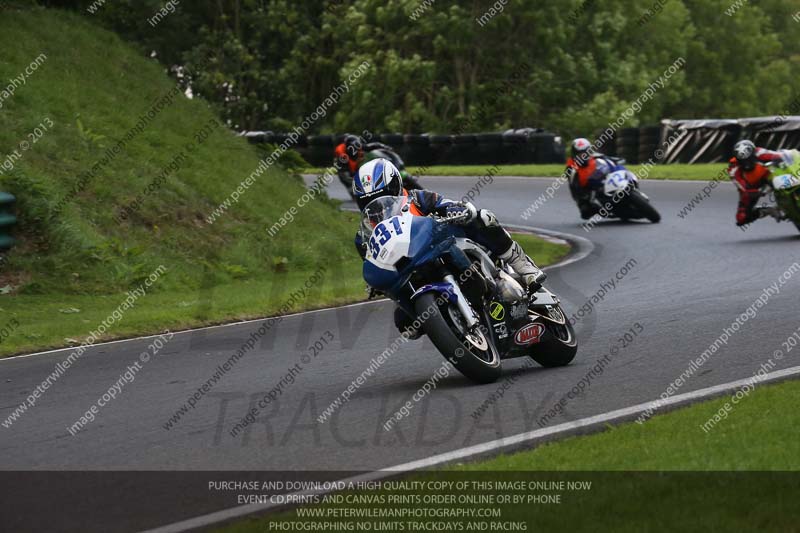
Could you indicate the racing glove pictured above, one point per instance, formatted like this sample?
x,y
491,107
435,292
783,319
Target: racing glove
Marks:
x,y
462,213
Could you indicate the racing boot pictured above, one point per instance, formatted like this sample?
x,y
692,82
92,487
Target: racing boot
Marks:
x,y
525,267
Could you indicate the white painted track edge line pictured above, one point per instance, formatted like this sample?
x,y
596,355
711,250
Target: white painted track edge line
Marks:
x,y
191,330
480,449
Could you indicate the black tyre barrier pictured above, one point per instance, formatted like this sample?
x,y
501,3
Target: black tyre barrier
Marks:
x,y
441,145
518,146
526,131
610,147
628,145
7,220
649,142
701,141
321,140
548,148
490,148
417,150
320,150
465,150
280,138
515,148
395,140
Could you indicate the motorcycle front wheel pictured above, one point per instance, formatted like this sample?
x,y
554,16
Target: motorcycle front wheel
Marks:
x,y
446,333
644,207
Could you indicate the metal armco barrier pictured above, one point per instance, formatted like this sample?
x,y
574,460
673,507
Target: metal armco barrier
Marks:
x,y
712,140
7,220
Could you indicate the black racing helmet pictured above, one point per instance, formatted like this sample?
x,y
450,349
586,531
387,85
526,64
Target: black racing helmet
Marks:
x,y
353,145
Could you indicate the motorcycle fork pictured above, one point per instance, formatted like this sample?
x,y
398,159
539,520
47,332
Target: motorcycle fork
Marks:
x,y
466,310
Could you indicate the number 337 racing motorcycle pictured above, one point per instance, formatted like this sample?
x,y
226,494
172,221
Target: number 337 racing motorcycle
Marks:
x,y
474,308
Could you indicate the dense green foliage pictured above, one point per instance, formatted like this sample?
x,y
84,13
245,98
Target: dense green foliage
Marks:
x,y
570,66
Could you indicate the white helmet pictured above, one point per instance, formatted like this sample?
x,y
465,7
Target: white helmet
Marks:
x,y
374,179
581,150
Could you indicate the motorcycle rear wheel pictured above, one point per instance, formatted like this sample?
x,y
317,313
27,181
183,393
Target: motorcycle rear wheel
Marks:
x,y
461,354
559,346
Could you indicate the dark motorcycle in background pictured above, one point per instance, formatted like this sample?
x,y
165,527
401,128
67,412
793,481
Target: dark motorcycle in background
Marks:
x,y
472,307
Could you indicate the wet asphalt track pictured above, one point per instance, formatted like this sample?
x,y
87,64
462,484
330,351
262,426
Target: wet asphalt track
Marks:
x,y
691,278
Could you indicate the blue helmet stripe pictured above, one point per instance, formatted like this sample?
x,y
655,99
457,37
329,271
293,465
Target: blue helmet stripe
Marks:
x,y
377,175
358,188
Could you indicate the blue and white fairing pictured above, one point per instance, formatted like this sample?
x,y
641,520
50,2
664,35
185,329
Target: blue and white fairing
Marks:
x,y
404,237
399,243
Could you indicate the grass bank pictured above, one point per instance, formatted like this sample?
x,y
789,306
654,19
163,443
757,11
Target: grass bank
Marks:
x,y
116,173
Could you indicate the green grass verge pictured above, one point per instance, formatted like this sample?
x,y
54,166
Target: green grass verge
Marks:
x,y
700,172
759,434
542,251
665,475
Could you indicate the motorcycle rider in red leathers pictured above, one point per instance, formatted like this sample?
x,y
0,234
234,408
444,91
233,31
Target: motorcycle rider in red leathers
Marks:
x,y
748,171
